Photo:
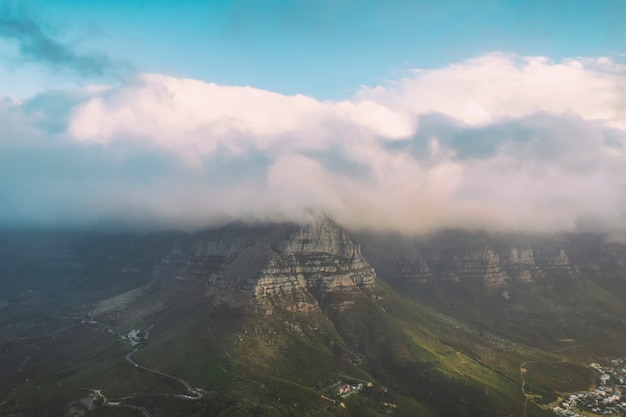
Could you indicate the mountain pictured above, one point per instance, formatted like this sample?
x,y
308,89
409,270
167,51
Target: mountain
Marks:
x,y
318,258
306,320
510,281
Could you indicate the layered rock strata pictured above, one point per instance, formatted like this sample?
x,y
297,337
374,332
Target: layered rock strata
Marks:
x,y
492,261
319,257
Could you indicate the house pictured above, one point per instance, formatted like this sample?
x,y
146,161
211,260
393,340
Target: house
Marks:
x,y
344,389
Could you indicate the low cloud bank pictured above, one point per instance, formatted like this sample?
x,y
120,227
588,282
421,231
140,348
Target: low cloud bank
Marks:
x,y
499,142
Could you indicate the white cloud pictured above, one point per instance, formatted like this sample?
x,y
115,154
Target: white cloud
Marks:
x,y
196,118
498,85
496,142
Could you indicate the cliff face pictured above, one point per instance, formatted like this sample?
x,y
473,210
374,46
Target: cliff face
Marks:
x,y
321,257
305,263
190,257
316,258
494,262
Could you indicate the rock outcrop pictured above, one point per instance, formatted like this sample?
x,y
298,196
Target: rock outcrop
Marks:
x,y
317,258
494,262
190,257
306,262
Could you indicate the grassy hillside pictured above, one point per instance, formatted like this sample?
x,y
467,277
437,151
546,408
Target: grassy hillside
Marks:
x,y
409,348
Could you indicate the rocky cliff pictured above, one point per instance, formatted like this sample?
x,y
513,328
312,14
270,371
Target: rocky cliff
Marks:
x,y
494,261
321,256
318,258
305,262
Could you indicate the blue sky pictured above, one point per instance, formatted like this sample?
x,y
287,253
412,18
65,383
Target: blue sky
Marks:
x,y
323,48
399,115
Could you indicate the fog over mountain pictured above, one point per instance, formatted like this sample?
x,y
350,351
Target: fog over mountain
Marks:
x,y
312,208
497,142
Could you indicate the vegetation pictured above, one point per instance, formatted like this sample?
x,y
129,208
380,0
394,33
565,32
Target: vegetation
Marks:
x,y
451,349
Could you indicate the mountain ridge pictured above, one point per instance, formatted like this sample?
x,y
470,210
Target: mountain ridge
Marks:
x,y
282,314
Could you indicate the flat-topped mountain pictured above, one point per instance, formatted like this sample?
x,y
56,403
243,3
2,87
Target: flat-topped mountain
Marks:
x,y
318,258
495,261
303,319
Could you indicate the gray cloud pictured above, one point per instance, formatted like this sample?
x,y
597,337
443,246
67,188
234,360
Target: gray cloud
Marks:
x,y
37,45
537,136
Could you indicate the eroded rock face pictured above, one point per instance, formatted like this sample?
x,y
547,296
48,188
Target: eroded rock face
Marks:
x,y
494,262
323,256
317,258
190,258
320,237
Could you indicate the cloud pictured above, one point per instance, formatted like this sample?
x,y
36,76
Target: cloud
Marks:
x,y
36,45
497,85
195,118
499,142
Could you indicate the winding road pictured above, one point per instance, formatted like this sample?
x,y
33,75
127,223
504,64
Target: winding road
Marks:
x,y
192,394
196,393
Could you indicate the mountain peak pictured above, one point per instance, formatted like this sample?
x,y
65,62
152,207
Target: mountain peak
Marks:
x,y
312,260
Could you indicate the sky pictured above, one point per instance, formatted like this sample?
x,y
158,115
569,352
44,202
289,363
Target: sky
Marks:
x,y
410,116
